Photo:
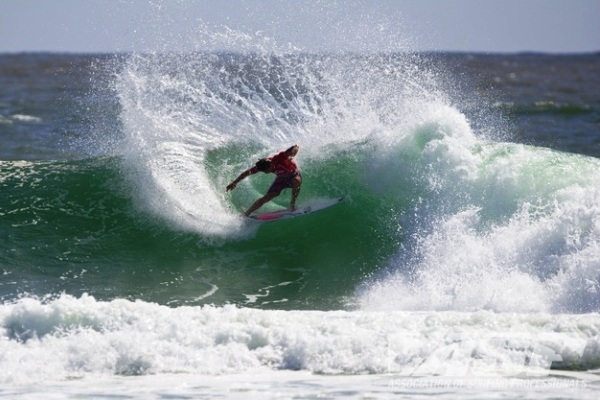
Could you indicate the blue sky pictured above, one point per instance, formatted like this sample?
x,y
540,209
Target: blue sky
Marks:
x,y
556,26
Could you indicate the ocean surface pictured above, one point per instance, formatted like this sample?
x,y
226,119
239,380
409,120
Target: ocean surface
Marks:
x,y
464,261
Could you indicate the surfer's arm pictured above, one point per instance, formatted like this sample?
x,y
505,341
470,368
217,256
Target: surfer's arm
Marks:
x,y
246,173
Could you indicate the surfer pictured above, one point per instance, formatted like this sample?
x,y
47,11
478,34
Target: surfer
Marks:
x,y
287,175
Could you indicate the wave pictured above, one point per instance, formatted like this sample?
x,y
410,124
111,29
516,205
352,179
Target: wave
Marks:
x,y
439,215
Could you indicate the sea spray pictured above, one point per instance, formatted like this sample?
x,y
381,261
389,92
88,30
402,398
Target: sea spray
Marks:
x,y
179,111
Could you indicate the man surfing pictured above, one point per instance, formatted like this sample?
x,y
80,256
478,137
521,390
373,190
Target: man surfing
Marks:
x,y
287,175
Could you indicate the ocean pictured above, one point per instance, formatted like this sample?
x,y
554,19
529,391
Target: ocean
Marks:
x,y
463,262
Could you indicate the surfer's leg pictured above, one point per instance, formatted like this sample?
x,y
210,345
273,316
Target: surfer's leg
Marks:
x,y
296,185
260,202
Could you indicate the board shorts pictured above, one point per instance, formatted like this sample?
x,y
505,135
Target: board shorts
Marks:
x,y
283,182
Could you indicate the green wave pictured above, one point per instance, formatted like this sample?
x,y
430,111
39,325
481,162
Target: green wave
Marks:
x,y
77,227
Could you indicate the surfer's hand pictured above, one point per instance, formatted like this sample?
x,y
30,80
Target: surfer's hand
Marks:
x,y
231,186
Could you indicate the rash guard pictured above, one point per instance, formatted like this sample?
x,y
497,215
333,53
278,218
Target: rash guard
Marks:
x,y
282,165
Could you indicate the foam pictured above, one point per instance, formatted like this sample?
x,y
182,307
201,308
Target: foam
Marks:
x,y
517,232
72,337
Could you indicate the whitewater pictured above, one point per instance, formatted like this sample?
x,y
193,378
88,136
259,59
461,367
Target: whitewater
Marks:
x,y
464,262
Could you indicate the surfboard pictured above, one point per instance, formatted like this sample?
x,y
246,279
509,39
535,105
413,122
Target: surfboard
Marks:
x,y
303,210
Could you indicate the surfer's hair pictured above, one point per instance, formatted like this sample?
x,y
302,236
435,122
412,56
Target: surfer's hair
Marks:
x,y
263,165
288,151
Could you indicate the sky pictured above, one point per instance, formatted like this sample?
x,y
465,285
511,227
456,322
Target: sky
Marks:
x,y
490,26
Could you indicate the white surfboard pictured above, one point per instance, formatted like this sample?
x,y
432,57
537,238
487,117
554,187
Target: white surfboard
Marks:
x,y
303,210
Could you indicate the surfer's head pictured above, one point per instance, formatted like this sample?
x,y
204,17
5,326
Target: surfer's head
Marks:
x,y
292,151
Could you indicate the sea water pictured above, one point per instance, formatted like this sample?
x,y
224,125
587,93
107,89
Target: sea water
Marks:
x,y
463,262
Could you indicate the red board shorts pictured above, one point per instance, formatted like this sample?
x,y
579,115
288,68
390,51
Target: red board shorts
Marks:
x,y
283,182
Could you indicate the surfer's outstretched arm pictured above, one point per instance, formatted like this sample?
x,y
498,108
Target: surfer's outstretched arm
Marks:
x,y
243,175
